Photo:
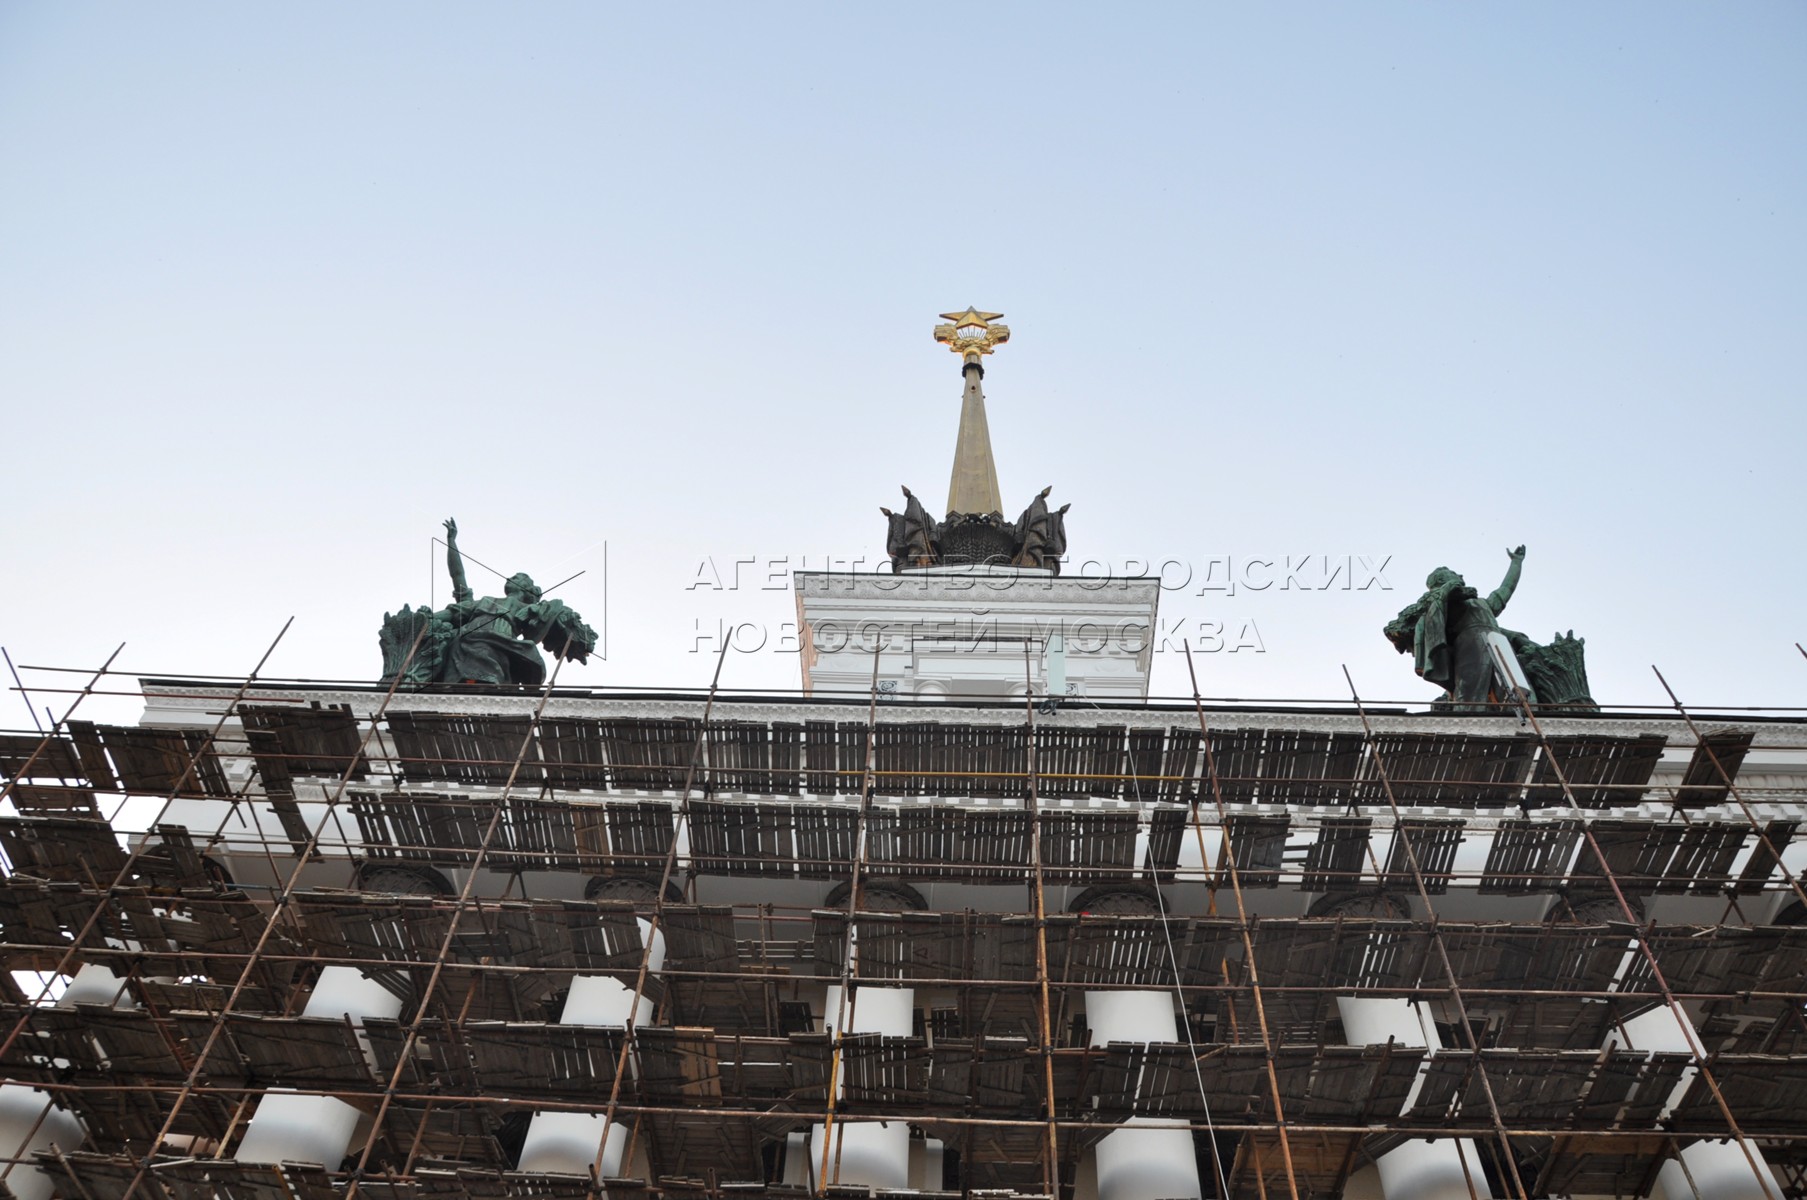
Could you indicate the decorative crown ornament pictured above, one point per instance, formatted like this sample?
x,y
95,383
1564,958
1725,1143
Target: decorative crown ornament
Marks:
x,y
971,333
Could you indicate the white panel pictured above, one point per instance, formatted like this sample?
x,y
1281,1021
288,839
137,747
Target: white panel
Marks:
x,y
1130,1017
1148,1159
890,1011
348,992
561,1143
1432,1170
291,1128
1371,1020
869,1153
96,984
926,1164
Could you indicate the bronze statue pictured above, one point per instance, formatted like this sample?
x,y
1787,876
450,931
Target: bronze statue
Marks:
x,y
1036,539
483,640
1456,642
1041,535
1445,630
1557,672
912,537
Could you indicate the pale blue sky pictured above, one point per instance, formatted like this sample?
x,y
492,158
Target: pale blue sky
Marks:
x,y
283,286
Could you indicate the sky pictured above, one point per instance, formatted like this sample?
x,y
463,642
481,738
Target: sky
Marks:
x,y
643,291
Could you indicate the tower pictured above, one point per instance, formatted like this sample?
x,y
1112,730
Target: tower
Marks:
x,y
977,606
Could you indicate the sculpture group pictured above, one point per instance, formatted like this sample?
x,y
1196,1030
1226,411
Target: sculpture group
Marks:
x,y
1038,538
489,639
1452,631
1456,641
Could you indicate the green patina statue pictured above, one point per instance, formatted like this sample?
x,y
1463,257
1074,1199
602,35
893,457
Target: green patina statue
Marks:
x,y
1456,641
482,640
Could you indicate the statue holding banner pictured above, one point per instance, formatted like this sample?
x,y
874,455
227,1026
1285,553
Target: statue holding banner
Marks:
x,y
489,639
1041,534
911,536
1455,639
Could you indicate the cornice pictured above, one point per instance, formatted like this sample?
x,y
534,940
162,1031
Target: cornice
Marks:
x,y
176,696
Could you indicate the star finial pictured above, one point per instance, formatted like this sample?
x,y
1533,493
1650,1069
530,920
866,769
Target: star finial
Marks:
x,y
971,333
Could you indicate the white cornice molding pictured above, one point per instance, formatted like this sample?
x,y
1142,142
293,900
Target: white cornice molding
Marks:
x,y
167,698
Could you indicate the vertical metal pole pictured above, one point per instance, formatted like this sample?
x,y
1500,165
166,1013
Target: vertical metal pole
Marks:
x,y
1051,1152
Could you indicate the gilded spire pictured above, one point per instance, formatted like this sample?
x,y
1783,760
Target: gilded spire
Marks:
x,y
974,485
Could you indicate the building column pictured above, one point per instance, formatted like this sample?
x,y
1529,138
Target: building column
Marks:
x,y
1145,1157
568,1143
1420,1169
290,1127
869,1153
1715,1170
31,1121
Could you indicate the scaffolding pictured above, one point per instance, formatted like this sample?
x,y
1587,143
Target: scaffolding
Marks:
x,y
1536,883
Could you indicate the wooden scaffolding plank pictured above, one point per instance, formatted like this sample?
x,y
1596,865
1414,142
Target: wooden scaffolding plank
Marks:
x,y
1602,772
575,753
52,757
1258,845
650,754
1335,861
1447,770
1303,766
478,751
1529,856
1713,768
1433,844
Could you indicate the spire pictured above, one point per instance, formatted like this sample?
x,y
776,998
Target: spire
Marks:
x,y
974,485
975,533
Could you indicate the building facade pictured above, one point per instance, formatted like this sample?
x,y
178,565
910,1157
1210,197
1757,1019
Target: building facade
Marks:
x,y
968,915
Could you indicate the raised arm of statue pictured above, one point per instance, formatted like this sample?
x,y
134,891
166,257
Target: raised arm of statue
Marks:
x,y
454,562
1496,600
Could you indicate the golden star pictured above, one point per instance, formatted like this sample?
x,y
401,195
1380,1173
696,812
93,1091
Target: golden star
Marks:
x,y
971,316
